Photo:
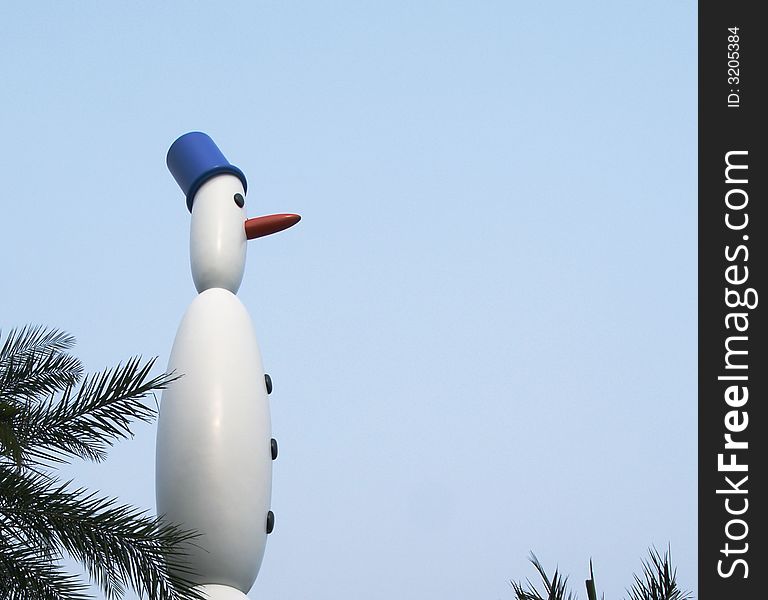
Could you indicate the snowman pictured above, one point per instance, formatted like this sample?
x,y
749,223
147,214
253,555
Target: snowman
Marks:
x,y
214,444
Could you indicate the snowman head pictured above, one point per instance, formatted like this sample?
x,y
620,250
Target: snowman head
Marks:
x,y
217,242
215,192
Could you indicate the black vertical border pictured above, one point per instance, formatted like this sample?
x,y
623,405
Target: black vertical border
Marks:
x,y
722,129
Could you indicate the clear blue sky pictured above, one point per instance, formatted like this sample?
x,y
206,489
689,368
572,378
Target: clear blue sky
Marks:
x,y
483,332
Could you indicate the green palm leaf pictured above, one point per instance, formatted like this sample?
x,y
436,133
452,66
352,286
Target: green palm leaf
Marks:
x,y
554,589
34,363
659,581
29,573
114,542
49,414
86,423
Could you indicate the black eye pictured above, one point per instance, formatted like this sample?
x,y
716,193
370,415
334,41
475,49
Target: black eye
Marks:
x,y
239,200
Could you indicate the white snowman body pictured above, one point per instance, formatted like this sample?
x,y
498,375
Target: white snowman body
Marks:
x,y
214,461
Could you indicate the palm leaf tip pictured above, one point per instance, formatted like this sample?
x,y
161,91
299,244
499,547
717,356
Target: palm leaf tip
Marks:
x,y
31,338
86,422
554,589
590,583
34,363
659,579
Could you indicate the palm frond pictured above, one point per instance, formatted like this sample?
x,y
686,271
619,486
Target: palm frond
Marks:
x,y
35,338
118,545
29,573
34,364
658,581
9,443
87,422
554,589
49,414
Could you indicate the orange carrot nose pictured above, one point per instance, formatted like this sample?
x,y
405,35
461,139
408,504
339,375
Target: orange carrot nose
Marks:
x,y
261,226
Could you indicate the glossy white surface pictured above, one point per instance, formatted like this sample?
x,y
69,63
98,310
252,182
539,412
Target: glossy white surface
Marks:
x,y
222,592
217,242
214,464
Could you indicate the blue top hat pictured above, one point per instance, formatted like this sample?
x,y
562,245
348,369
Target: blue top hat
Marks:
x,y
193,159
